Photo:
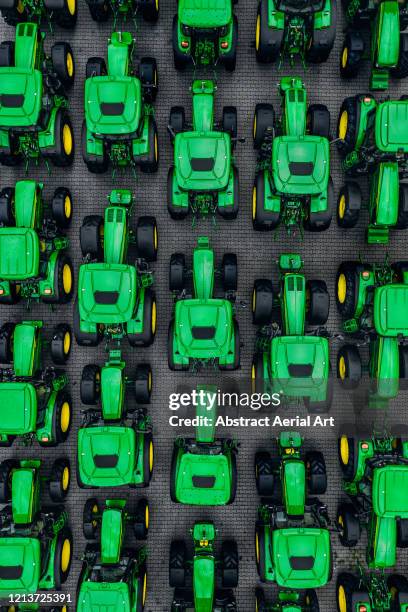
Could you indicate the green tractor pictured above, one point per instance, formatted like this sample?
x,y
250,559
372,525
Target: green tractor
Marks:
x,y
295,30
292,476
203,329
372,299
375,479
373,141
119,126
371,592
287,601
34,121
115,298
36,542
115,444
101,10
293,552
205,33
113,576
41,406
33,261
388,43
204,468
204,178
290,360
292,185
62,12
201,581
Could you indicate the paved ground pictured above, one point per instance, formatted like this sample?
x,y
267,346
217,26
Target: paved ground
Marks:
x,y
256,252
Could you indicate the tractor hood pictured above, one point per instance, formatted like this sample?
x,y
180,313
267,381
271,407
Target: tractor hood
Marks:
x,y
390,310
20,565
202,160
203,480
208,14
107,292
106,456
113,105
19,253
203,582
300,165
23,418
391,126
104,597
301,557
21,93
203,327
390,491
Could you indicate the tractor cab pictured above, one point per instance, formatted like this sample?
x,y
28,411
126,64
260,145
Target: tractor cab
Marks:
x,y
391,126
25,492
20,565
21,97
114,104
211,14
390,492
22,419
390,307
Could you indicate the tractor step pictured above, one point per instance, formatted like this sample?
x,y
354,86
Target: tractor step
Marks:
x,y
379,79
378,235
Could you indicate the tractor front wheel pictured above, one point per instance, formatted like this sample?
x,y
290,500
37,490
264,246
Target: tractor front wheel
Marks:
x,y
268,41
264,476
262,302
177,564
150,10
346,586
316,473
90,519
177,271
318,120
318,302
347,125
352,54
143,383
95,66
349,367
149,77
348,525
59,480
91,235
148,458
63,282
66,17
147,238
63,63
260,551
90,388
61,418
61,207
402,220
99,11
401,70
402,533
142,519
230,562
348,456
63,154
229,272
349,205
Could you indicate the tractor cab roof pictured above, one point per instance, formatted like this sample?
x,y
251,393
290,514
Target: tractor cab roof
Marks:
x,y
20,565
104,597
22,502
106,455
113,104
391,126
22,419
390,308
21,91
19,253
201,476
300,164
205,13
301,557
107,292
203,326
202,160
390,491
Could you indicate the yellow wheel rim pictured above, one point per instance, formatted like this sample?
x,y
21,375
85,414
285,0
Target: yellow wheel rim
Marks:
x,y
70,64
156,148
258,32
94,511
145,576
147,517
65,478
344,450
342,368
254,127
393,592
65,555
341,288
343,123
253,300
257,547
67,207
67,278
65,416
254,203
67,140
344,57
71,4
342,206
154,317
341,598
155,238
151,456
67,343
150,381
253,372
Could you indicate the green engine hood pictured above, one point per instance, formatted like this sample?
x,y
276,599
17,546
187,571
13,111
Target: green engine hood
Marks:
x,y
20,565
300,165
203,327
202,160
104,597
294,482
390,310
22,502
107,292
205,13
23,418
203,480
113,105
19,253
391,126
390,491
301,557
204,582
21,93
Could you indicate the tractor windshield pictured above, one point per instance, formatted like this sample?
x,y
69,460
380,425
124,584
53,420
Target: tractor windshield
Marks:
x,y
202,161
203,479
304,164
19,253
113,105
104,597
205,13
21,92
23,418
20,565
390,308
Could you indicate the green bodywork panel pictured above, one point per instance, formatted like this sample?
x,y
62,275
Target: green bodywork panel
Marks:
x,y
21,557
21,97
113,104
293,304
112,535
390,491
203,105
391,126
116,234
27,348
19,253
119,48
390,308
203,269
23,418
202,160
203,479
384,192
294,106
23,499
303,166
113,392
205,13
28,204
204,577
104,597
387,34
294,486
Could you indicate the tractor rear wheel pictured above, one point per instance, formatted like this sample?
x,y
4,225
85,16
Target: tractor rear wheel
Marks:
x,y
351,54
177,272
177,564
349,205
260,551
347,125
148,458
397,585
63,151
234,479
318,302
97,164
318,120
181,60
90,388
95,66
402,533
62,557
99,11
349,367
149,77
230,562
6,342
348,525
322,40
177,120
312,601
61,343
257,373
146,336
61,207
6,470
150,10
268,41
348,456
401,70
142,589
7,215
320,221
262,302
260,600
402,220
316,473
147,238
346,586
264,122
175,212
59,480
237,350
143,383
90,237
264,475
61,418
175,367
347,282
262,220
149,163
229,59
84,338
229,272
142,519
231,212
89,519
230,121
403,365
66,17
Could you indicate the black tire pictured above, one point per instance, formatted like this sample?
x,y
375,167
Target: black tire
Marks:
x,y
322,40
7,218
351,56
349,366
61,419
264,475
13,297
234,479
347,449
262,302
262,220
316,473
95,164
62,155
6,342
403,362
146,337
260,551
63,281
99,11
84,338
177,564
148,459
177,270
61,343
149,78
231,212
62,58
177,120
141,524
402,533
90,387
318,302
149,163
349,205
66,17
95,66
268,41
150,10
177,213
397,585
230,121
90,237
229,269
347,128
257,373
229,59
264,122
400,269
347,584
318,120
347,281
171,363
61,571
90,516
348,525
237,350
7,54
401,70
61,207
6,469
230,562
143,383
321,220
312,601
147,238
181,61
60,479
402,220
260,600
